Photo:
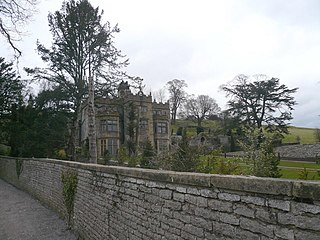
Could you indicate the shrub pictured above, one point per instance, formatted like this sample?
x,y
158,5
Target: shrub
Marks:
x,y
147,155
200,130
180,131
214,163
185,158
5,150
260,157
123,155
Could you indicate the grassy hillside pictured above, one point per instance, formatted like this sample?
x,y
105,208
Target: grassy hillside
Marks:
x,y
306,135
192,126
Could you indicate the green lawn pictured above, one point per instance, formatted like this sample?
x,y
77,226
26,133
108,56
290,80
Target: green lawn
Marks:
x,y
298,170
299,164
294,174
310,171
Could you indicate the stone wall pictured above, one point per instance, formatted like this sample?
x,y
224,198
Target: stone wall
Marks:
x,y
303,151
130,203
307,152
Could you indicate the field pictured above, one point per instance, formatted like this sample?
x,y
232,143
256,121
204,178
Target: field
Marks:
x,y
305,135
191,126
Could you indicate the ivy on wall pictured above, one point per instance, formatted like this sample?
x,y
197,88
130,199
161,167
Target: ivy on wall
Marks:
x,y
69,181
19,167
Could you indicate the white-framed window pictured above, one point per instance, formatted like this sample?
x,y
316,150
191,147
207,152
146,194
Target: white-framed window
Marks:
x,y
162,127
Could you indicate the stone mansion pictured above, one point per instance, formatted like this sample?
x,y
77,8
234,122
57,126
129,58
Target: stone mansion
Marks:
x,y
128,120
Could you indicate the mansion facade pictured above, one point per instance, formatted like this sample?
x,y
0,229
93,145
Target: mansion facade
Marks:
x,y
128,120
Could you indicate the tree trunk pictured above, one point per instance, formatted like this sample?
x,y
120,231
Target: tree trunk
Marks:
x,y
71,147
199,121
92,136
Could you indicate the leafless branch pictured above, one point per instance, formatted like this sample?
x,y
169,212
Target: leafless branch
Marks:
x,y
14,14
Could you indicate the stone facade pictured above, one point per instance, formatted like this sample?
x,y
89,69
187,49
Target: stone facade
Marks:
x,y
130,203
127,118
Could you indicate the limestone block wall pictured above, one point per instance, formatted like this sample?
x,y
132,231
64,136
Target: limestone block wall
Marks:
x,y
130,203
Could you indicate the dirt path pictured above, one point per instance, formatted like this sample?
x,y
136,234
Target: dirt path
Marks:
x,y
23,217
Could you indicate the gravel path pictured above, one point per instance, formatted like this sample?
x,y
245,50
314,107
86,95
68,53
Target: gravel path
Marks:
x,y
23,217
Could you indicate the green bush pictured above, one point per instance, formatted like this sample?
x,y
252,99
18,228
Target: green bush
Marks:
x,y
215,164
179,131
5,150
260,157
123,155
148,154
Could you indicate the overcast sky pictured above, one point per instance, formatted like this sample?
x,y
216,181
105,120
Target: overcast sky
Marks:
x,y
208,42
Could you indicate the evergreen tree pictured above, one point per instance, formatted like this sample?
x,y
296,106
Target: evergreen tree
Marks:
x,y
185,157
37,131
82,46
11,88
260,156
261,102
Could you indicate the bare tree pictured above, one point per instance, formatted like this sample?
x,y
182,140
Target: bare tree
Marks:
x,y
14,14
177,96
82,46
160,95
200,108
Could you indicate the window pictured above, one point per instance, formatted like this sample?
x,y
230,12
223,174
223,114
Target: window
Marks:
x,y
157,112
162,127
143,124
103,125
112,126
112,146
103,146
144,109
109,125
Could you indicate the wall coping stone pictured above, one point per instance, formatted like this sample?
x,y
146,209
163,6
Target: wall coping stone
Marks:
x,y
299,189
